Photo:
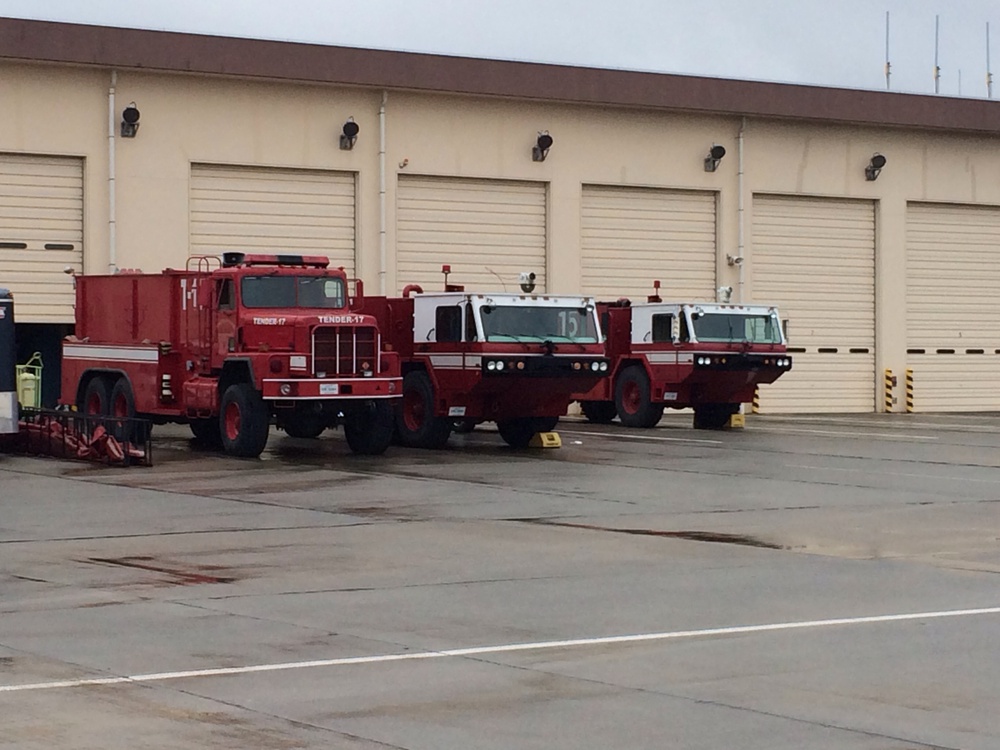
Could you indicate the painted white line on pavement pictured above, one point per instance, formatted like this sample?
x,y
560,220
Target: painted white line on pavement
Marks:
x,y
626,436
502,649
844,434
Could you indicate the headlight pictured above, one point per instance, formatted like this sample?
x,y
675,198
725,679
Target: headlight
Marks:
x,y
595,366
285,389
604,366
499,366
491,365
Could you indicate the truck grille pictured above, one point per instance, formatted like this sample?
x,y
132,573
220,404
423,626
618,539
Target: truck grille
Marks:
x,y
345,350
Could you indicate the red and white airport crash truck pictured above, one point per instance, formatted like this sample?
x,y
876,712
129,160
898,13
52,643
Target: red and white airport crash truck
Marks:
x,y
705,356
228,346
515,359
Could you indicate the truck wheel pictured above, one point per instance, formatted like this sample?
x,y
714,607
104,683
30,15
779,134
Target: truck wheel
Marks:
x,y
517,433
243,421
632,399
599,412
546,424
96,399
207,432
123,407
305,422
415,421
369,427
713,416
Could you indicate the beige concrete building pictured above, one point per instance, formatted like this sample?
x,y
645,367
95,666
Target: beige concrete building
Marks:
x,y
239,146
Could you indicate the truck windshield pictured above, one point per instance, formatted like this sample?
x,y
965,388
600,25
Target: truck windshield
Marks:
x,y
292,291
522,323
730,327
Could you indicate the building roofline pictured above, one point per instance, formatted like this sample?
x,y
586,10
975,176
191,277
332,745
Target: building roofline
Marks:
x,y
164,51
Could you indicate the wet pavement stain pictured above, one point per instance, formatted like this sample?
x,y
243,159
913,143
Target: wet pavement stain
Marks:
x,y
181,576
691,536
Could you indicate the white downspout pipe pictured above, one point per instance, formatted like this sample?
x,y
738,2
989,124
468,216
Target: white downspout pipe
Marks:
x,y
381,196
740,212
112,227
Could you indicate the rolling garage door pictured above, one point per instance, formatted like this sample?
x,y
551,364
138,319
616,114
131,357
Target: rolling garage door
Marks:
x,y
815,259
488,231
953,321
631,236
41,234
299,211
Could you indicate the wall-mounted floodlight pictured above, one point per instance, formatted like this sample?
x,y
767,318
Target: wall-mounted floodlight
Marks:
x,y
349,134
541,148
714,157
874,167
130,121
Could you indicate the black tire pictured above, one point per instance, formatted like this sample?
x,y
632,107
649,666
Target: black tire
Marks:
x,y
599,412
243,421
122,406
368,427
713,416
632,399
96,399
415,421
517,433
207,432
546,424
306,421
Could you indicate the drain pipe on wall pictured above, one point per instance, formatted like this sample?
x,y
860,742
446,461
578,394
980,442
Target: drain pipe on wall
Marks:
x,y
381,196
112,121
741,237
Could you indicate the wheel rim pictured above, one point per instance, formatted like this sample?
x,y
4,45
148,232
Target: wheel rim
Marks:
x,y
413,411
93,405
120,407
232,419
631,397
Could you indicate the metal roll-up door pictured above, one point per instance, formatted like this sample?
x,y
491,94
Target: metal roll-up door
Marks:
x,y
815,259
264,210
952,321
488,231
633,236
41,233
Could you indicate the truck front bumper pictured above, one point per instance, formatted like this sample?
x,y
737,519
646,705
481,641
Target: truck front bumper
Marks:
x,y
291,389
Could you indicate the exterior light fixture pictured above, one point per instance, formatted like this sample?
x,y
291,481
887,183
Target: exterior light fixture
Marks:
x,y
714,157
541,148
874,167
130,121
349,134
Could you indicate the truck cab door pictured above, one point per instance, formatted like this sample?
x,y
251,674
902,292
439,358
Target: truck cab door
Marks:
x,y
223,325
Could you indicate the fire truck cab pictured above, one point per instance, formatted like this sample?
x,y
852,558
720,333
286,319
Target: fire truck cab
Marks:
x,y
709,357
515,359
230,346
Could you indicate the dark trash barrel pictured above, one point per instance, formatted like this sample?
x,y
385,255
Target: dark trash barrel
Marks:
x,y
8,365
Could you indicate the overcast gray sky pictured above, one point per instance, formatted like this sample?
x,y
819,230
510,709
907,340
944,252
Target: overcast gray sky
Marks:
x,y
826,42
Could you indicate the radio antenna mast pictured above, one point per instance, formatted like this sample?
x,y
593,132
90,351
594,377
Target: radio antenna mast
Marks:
x,y
989,73
888,65
937,69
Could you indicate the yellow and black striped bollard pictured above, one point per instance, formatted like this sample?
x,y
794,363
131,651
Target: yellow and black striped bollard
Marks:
x,y
889,382
909,391
755,406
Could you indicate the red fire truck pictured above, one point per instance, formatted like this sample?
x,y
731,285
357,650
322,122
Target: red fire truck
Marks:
x,y
515,359
708,357
228,346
